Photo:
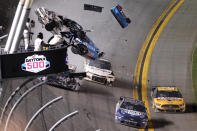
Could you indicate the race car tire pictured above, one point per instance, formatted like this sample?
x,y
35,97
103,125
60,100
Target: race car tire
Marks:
x,y
74,50
143,126
108,83
182,111
77,87
128,20
51,25
82,49
101,54
116,118
156,110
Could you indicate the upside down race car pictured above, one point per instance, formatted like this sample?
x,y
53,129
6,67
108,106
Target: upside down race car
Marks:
x,y
167,99
131,112
71,32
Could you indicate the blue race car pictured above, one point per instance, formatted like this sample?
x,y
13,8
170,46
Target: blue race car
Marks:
x,y
120,16
131,112
80,43
85,47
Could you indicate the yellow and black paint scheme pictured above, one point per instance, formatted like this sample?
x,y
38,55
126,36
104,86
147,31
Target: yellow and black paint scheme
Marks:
x,y
162,102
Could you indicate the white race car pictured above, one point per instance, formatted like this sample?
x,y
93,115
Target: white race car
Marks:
x,y
99,71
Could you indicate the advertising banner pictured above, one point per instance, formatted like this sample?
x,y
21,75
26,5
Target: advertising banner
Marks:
x,y
34,63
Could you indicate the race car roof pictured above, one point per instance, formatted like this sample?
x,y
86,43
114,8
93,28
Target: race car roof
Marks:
x,y
134,101
167,89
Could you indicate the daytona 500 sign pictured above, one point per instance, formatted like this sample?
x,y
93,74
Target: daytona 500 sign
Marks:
x,y
35,63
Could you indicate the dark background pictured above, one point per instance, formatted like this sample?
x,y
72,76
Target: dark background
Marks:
x,y
7,9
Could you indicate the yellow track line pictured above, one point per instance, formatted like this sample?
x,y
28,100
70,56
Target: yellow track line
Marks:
x,y
144,46
148,55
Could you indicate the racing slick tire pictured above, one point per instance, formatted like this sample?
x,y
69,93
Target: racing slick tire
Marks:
x,y
143,126
101,54
156,110
74,50
182,111
109,83
128,20
79,49
51,25
77,87
83,50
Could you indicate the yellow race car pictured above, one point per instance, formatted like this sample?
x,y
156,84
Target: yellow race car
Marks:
x,y
167,99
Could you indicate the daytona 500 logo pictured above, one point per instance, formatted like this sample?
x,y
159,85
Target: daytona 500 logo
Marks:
x,y
35,63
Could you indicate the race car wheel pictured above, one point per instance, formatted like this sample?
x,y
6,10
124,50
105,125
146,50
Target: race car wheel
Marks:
x,y
128,20
83,50
74,50
77,87
143,126
108,83
156,110
119,8
183,111
116,118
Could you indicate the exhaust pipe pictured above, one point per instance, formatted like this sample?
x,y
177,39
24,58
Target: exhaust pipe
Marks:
x,y
21,25
14,25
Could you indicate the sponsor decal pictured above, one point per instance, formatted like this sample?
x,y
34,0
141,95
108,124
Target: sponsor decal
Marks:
x,y
35,63
131,112
168,98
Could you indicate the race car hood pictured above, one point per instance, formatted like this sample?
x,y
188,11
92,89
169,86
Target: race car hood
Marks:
x,y
133,114
169,100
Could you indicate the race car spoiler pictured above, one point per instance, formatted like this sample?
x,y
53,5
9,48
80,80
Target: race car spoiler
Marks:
x,y
33,63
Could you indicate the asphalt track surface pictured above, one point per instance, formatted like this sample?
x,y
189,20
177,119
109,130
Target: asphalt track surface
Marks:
x,y
170,65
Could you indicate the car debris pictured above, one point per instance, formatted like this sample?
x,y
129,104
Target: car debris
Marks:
x,y
118,13
93,8
66,80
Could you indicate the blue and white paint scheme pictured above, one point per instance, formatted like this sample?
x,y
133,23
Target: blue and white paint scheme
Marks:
x,y
120,16
131,112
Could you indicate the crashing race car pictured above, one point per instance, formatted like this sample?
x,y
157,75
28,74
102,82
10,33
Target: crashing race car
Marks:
x,y
99,71
84,47
131,112
65,80
167,99
71,31
49,19
120,16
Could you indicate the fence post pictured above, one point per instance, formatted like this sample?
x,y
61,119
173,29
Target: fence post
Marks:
x,y
19,100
